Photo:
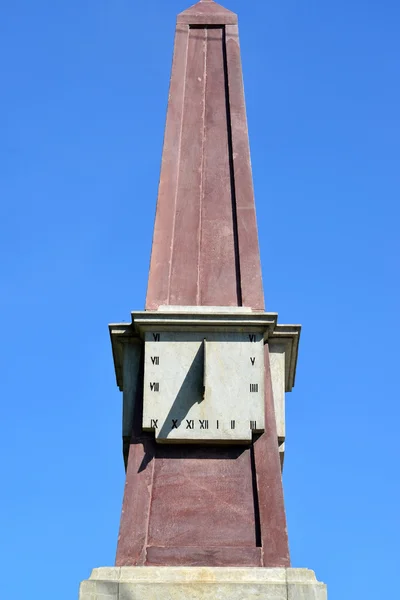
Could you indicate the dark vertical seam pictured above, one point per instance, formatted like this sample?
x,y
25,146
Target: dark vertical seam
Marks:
x,y
257,522
232,175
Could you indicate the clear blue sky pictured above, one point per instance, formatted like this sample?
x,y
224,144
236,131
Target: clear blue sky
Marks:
x,y
84,87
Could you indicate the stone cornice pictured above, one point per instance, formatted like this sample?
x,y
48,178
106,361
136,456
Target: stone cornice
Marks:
x,y
206,319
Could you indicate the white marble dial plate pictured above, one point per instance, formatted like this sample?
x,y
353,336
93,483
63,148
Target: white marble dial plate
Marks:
x,y
203,386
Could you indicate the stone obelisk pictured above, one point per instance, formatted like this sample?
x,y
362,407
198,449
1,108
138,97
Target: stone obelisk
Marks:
x,y
204,368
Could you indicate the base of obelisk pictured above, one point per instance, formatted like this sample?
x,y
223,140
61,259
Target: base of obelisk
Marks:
x,y
201,583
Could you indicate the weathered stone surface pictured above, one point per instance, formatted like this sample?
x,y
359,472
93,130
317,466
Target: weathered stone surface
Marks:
x,y
205,245
201,583
205,309
202,516
302,585
201,591
203,385
277,364
207,12
221,503
132,354
99,590
298,591
106,574
204,503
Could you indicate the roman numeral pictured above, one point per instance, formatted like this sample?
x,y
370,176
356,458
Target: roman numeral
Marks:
x,y
217,424
253,425
254,387
252,360
189,424
154,423
155,386
233,424
203,424
155,360
156,337
174,423
252,337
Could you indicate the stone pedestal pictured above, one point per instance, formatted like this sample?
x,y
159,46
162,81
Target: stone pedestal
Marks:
x,y
201,583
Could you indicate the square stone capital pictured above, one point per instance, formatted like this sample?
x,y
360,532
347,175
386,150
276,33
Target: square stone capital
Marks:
x,y
206,318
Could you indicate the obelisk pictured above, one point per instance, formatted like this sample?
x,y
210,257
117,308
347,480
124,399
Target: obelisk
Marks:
x,y
204,368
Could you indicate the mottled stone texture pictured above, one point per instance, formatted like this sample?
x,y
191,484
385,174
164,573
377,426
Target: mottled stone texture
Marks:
x,y
171,583
205,244
205,505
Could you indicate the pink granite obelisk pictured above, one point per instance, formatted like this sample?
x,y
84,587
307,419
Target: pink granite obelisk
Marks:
x,y
205,245
191,504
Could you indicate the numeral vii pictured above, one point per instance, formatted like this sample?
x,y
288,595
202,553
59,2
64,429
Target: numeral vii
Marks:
x,y
155,386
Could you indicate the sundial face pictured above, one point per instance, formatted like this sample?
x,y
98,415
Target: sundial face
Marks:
x,y
203,386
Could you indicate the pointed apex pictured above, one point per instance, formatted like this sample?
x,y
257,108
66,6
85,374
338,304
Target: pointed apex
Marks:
x,y
207,12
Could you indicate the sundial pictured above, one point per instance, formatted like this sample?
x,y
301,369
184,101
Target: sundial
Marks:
x,y
203,386
204,382
204,369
